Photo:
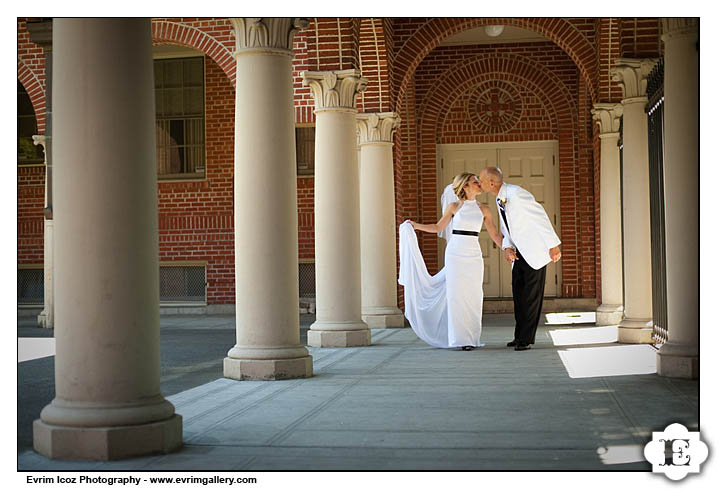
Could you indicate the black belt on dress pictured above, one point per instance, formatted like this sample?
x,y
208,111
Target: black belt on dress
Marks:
x,y
464,232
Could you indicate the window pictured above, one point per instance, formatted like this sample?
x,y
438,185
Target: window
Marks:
x,y
305,150
27,151
179,110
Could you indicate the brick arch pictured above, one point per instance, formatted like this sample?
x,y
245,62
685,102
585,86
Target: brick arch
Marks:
x,y
560,31
35,91
438,114
461,78
444,91
373,64
180,34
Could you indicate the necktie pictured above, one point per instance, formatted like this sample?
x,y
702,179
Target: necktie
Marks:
x,y
502,208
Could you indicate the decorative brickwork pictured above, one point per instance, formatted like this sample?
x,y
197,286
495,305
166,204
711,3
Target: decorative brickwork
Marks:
x,y
31,72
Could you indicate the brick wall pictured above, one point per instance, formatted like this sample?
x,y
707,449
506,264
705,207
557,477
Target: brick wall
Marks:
x,y
640,37
196,218
404,65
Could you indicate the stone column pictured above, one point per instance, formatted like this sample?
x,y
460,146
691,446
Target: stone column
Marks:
x,y
265,206
378,220
679,356
108,403
637,324
46,318
41,34
610,312
336,211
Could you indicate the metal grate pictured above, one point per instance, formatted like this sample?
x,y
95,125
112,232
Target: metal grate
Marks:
x,y
654,108
30,287
307,281
183,284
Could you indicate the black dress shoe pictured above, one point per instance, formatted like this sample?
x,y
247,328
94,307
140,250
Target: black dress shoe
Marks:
x,y
522,347
468,347
512,344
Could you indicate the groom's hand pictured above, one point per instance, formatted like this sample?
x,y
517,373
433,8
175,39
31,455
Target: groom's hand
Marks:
x,y
555,254
510,255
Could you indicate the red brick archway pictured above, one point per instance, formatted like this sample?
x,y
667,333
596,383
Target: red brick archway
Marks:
x,y
567,36
173,33
557,100
35,91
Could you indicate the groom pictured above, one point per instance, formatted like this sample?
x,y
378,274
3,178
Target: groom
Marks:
x,y
530,243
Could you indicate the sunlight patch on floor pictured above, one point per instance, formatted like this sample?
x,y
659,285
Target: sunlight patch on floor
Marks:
x,y
585,335
621,360
621,454
34,348
570,318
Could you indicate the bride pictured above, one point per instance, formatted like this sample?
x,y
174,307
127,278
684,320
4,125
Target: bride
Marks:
x,y
445,310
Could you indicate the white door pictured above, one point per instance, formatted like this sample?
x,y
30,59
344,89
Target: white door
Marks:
x,y
531,165
473,160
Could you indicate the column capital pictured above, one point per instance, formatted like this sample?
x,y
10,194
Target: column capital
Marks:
x,y
679,26
608,117
266,34
631,74
377,127
335,90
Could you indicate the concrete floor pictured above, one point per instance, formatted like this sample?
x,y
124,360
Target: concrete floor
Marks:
x,y
576,401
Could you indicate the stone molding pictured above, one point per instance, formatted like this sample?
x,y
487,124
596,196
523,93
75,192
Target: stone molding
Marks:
x,y
679,26
274,34
608,117
632,75
335,90
377,127
40,139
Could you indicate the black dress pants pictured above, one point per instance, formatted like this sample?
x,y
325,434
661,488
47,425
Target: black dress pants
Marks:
x,y
527,285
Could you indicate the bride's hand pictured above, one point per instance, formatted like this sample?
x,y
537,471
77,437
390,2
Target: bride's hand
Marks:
x,y
411,223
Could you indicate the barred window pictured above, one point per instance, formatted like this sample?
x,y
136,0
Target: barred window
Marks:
x,y
179,110
27,151
31,286
305,150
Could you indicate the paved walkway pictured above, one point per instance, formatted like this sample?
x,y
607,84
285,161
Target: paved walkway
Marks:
x,y
576,401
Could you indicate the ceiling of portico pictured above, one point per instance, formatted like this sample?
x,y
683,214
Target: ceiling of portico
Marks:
x,y
478,35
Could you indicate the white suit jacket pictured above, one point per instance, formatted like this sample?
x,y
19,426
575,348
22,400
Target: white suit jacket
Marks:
x,y
530,230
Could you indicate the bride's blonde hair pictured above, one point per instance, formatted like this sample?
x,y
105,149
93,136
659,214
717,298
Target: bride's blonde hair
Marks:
x,y
459,183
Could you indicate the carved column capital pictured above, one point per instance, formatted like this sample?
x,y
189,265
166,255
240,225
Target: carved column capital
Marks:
x,y
631,75
377,127
608,117
266,34
335,90
679,26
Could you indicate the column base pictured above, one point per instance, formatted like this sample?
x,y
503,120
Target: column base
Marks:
x,y
268,369
339,338
635,332
609,315
43,321
677,361
395,319
107,443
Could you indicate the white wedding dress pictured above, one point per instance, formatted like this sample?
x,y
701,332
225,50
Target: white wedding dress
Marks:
x,y
445,310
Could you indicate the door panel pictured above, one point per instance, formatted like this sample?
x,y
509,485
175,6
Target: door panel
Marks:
x,y
533,169
529,165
